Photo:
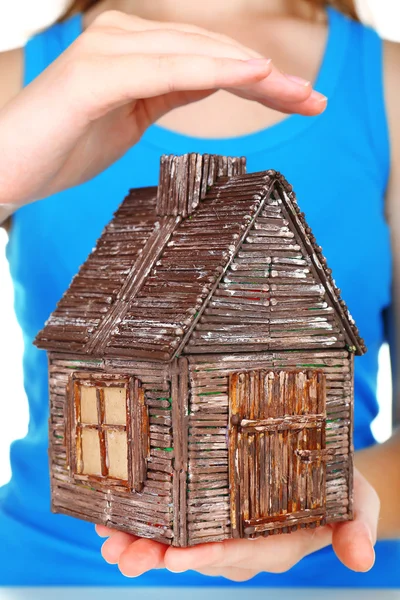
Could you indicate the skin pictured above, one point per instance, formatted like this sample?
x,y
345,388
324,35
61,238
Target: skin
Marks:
x,y
151,68
151,78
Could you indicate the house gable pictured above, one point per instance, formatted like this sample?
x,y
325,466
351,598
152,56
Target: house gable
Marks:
x,y
277,292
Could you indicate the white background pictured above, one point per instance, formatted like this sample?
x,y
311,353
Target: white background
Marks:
x,y
18,20
141,593
21,18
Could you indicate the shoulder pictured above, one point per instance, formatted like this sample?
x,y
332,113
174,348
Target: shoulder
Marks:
x,y
392,94
392,97
392,82
392,53
11,69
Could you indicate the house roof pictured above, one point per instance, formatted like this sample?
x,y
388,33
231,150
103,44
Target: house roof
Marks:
x,y
146,285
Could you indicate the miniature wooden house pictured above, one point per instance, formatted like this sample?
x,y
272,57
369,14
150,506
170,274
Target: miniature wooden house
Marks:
x,y
201,365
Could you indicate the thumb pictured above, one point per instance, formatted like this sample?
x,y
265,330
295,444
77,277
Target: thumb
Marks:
x,y
160,105
354,541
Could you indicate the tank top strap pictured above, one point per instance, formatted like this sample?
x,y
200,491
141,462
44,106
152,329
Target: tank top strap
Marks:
x,y
374,90
353,73
42,49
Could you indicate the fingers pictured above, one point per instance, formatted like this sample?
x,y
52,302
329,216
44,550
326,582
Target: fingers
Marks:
x,y
132,554
353,541
115,81
158,107
366,504
312,106
170,42
275,554
124,34
141,556
167,41
233,574
238,560
135,77
103,531
353,546
131,23
290,99
116,545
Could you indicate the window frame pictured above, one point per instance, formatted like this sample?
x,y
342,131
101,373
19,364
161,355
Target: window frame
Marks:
x,y
136,428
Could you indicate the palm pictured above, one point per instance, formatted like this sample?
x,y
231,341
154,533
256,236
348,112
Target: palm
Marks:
x,y
108,138
240,560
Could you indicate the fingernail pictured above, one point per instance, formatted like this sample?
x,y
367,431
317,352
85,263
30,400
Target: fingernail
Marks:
x,y
176,570
298,80
319,97
369,534
374,557
259,62
132,576
102,535
372,537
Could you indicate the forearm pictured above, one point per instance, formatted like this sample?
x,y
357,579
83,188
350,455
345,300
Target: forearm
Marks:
x,y
380,465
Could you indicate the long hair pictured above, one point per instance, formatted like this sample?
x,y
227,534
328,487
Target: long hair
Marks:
x,y
79,6
345,6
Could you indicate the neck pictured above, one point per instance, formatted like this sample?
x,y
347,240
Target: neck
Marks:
x,y
205,11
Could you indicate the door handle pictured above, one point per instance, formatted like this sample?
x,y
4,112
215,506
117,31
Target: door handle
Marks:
x,y
314,455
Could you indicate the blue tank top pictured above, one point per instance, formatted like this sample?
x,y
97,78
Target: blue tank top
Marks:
x,y
338,164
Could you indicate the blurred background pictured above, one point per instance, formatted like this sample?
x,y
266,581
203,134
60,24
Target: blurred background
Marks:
x,y
19,19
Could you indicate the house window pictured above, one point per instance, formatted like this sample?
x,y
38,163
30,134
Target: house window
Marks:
x,y
109,430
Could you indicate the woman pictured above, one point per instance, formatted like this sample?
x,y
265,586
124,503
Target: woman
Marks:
x,y
118,73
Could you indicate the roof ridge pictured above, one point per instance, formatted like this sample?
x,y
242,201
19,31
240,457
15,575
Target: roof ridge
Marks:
x,y
261,176
134,281
268,190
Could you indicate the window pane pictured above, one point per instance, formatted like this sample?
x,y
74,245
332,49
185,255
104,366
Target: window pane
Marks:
x,y
115,405
89,405
117,448
91,462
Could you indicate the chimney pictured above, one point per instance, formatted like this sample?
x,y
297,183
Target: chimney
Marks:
x,y
185,180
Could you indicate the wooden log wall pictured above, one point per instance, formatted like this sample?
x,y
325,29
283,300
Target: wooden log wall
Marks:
x,y
208,469
148,513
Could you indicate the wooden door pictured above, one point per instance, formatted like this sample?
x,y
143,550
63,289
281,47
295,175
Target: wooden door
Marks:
x,y
277,451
